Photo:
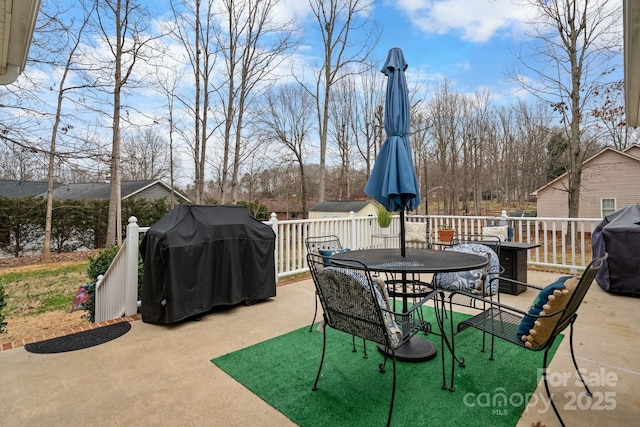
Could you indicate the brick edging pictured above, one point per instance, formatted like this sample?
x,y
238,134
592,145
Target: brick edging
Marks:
x,y
15,344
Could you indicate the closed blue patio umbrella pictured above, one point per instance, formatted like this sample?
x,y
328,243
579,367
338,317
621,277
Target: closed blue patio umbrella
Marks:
x,y
393,180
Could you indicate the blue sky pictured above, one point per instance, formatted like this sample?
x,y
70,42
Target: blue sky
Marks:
x,y
466,41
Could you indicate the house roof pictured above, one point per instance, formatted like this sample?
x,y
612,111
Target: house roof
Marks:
x,y
14,189
80,191
585,163
100,190
17,22
341,206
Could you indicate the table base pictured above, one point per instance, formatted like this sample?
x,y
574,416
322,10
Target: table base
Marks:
x,y
417,349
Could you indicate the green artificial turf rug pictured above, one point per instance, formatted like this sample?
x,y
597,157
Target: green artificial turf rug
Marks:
x,y
352,392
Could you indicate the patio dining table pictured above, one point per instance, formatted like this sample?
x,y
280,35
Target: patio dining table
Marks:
x,y
415,261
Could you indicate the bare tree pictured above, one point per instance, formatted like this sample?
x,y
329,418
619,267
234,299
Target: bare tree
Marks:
x,y
125,31
288,121
253,46
168,81
145,155
476,137
528,141
573,43
74,37
194,28
422,152
370,115
446,133
344,129
611,116
339,24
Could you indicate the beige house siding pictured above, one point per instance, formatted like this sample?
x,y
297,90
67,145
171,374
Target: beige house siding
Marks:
x,y
153,192
634,150
608,175
368,210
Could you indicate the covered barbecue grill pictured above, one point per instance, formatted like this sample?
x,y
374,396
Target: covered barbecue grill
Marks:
x,y
619,235
198,257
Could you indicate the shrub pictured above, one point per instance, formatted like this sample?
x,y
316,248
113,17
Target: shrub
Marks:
x,y
256,210
98,266
101,263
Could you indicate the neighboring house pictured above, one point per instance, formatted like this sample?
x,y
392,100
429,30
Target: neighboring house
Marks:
x,y
286,208
149,189
15,189
609,182
341,209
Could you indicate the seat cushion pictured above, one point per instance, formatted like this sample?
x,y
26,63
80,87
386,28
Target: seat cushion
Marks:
x,y
415,232
542,328
358,278
528,321
501,231
479,281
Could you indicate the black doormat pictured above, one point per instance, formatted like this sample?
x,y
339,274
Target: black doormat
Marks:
x,y
79,340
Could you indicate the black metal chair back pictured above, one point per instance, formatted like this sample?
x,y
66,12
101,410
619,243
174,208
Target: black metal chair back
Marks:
x,y
503,321
314,245
355,303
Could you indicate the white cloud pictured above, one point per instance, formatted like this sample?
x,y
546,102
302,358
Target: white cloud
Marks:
x,y
475,20
291,10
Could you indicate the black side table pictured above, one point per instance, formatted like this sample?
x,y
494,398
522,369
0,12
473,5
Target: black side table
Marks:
x,y
513,258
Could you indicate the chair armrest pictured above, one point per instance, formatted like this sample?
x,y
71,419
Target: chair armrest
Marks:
x,y
415,306
484,303
489,303
411,321
517,282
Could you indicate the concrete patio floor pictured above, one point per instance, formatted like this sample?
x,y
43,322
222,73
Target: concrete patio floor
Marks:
x,y
162,375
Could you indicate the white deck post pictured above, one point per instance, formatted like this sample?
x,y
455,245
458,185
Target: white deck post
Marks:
x,y
274,226
131,270
353,232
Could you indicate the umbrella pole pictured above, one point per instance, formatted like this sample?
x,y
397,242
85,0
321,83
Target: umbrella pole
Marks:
x,y
403,249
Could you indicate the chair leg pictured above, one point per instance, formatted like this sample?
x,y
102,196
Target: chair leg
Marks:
x,y
493,339
364,346
393,390
575,363
452,349
324,347
315,313
546,386
382,366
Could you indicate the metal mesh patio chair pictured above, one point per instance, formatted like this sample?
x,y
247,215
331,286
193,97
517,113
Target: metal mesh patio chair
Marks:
x,y
315,245
482,281
536,329
355,303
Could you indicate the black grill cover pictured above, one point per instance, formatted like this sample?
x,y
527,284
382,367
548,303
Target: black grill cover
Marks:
x,y
197,257
619,235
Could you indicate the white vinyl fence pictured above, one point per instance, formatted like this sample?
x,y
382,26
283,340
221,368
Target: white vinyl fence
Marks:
x,y
565,243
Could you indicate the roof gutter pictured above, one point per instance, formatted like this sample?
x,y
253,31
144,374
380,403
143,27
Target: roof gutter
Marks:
x,y
20,18
631,25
